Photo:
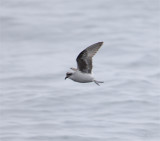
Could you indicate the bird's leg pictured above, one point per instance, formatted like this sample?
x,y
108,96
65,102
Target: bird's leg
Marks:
x,y
97,82
74,69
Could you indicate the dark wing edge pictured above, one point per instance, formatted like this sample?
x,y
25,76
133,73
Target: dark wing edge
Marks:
x,y
84,59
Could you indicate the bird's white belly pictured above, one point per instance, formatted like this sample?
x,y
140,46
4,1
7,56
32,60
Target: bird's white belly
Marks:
x,y
82,77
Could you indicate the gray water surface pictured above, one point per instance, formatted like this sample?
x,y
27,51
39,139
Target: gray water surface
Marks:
x,y
40,41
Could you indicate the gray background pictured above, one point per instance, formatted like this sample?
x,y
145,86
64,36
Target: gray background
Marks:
x,y
39,42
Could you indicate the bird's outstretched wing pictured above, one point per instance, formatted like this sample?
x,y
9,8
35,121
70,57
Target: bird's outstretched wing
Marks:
x,y
84,59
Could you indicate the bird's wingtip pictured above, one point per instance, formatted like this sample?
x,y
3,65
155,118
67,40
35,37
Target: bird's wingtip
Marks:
x,y
101,43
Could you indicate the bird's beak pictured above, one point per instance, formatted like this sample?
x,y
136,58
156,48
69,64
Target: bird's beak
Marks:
x,y
66,77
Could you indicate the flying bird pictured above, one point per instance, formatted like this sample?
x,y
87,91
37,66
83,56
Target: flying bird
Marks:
x,y
83,72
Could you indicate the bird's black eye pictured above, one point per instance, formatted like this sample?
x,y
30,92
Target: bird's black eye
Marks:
x,y
69,74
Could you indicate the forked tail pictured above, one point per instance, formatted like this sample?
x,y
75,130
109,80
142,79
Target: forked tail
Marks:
x,y
97,82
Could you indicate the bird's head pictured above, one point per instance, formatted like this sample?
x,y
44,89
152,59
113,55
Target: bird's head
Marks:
x,y
68,74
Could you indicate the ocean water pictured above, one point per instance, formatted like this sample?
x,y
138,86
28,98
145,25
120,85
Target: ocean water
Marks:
x,y
39,42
